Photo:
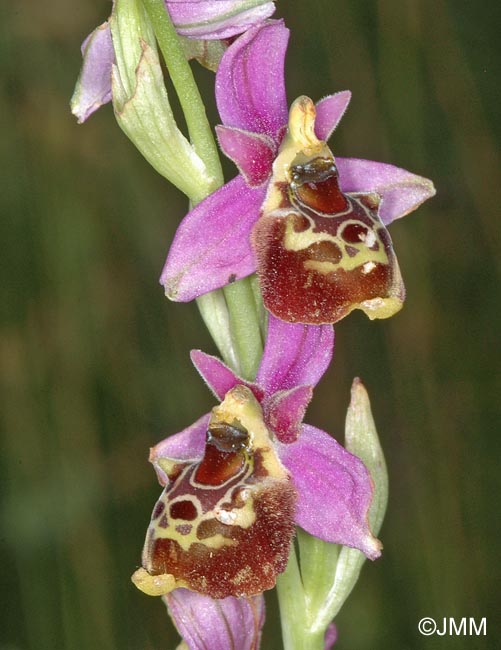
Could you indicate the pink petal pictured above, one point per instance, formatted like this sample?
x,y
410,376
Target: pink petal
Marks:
x,y
187,445
208,624
218,376
284,412
402,192
250,86
330,637
216,19
93,88
211,247
334,490
252,153
294,355
330,110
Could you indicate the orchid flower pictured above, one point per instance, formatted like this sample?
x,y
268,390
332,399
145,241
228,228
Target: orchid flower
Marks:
x,y
238,479
197,19
313,227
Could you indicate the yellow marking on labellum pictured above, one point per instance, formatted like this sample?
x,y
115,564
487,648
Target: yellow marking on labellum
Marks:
x,y
298,241
243,517
321,267
168,465
380,307
155,585
186,540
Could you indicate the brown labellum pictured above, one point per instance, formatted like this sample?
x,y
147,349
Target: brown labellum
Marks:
x,y
224,525
321,253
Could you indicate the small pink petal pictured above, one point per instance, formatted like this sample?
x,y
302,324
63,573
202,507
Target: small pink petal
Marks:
x,y
211,247
250,85
330,637
208,624
330,110
187,445
294,355
216,19
252,153
401,191
334,490
218,376
284,412
93,88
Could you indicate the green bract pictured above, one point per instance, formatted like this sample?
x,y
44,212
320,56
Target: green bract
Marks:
x,y
142,105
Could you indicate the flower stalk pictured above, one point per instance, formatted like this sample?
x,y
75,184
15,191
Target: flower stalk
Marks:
x,y
245,325
292,603
296,631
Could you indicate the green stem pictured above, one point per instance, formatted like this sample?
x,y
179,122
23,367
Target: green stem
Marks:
x,y
216,316
295,632
318,566
262,314
186,89
245,326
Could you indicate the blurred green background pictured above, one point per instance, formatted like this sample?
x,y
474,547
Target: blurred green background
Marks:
x,y
95,365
